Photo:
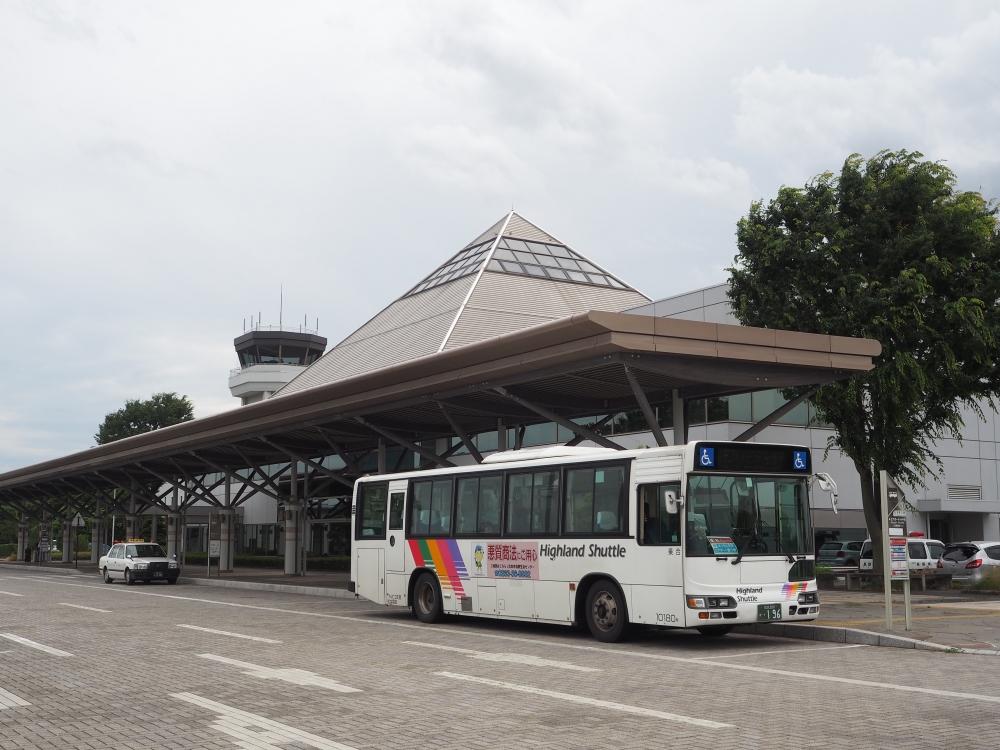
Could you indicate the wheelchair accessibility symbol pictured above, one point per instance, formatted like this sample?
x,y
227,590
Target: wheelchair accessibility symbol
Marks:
x,y
706,457
799,460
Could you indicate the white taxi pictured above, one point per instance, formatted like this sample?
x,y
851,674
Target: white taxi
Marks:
x,y
138,560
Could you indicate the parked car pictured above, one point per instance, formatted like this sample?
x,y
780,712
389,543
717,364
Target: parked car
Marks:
x,y
840,554
138,561
923,553
970,562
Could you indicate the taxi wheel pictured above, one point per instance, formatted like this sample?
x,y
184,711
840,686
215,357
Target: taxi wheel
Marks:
x,y
128,577
427,605
107,578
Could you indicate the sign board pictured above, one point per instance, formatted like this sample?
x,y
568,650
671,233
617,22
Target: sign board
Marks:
x,y
214,528
43,538
899,566
214,548
78,521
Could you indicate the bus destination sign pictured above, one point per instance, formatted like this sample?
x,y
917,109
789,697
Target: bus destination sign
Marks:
x,y
747,457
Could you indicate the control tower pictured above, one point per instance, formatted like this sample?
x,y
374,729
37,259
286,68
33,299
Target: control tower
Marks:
x,y
269,358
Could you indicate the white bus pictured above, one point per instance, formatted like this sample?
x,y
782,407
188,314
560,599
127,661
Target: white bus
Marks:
x,y
707,535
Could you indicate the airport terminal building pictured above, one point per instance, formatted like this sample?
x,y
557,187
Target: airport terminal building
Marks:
x,y
514,276
517,340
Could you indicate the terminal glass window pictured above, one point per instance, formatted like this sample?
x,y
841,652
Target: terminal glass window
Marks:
x,y
656,525
430,511
755,515
372,511
595,500
532,503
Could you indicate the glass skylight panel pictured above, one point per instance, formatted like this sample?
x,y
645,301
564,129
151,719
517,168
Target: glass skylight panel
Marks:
x,y
530,258
463,263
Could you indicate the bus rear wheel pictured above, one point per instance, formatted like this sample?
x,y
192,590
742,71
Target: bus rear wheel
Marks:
x,y
715,630
606,614
427,605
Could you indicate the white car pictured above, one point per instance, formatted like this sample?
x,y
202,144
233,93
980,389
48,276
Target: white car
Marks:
x,y
138,561
923,553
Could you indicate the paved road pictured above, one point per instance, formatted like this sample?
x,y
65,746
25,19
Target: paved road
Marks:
x,y
87,665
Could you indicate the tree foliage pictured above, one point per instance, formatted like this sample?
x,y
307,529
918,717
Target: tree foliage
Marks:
x,y
888,250
137,417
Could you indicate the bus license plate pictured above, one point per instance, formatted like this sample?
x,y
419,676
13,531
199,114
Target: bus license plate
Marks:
x,y
768,612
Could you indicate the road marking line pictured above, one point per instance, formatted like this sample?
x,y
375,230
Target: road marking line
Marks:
x,y
294,676
237,723
80,606
639,711
233,635
533,661
851,623
621,652
9,700
783,651
10,593
32,644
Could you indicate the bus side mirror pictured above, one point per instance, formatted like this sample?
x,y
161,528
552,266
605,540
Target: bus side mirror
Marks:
x,y
673,504
826,483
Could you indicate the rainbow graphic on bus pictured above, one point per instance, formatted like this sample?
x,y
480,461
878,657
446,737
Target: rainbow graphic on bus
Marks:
x,y
794,589
444,557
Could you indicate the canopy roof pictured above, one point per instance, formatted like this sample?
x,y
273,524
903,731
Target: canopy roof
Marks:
x,y
577,366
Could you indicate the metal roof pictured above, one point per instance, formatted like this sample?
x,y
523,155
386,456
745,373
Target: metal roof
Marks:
x,y
513,276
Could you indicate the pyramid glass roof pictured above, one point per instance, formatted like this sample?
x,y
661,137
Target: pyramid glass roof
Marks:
x,y
520,256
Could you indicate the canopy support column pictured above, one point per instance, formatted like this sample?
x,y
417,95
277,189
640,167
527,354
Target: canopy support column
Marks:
x,y
293,523
680,422
647,411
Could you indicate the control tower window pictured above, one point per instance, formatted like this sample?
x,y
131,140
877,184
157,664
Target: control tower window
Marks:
x,y
292,355
248,356
269,353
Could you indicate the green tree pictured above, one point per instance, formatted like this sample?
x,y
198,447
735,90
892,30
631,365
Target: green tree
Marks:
x,y
137,417
888,250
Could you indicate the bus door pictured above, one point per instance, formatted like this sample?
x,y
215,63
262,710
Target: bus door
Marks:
x,y
657,574
371,541
395,552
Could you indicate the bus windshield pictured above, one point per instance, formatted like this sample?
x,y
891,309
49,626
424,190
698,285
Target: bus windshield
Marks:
x,y
756,515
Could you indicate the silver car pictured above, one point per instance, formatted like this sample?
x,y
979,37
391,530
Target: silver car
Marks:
x,y
970,562
840,554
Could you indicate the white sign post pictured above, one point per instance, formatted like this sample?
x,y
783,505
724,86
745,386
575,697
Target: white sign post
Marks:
x,y
894,548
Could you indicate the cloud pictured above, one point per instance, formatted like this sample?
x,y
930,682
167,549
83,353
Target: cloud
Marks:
x,y
944,102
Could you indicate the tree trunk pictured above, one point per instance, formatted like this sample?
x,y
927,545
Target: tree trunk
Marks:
x,y
871,501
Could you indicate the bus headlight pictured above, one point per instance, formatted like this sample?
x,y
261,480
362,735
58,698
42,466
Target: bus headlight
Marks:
x,y
710,602
811,597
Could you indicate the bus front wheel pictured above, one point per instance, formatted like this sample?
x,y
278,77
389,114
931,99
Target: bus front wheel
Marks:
x,y
607,616
427,606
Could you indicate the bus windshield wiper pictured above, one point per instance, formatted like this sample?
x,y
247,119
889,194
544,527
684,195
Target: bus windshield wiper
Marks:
x,y
746,544
777,538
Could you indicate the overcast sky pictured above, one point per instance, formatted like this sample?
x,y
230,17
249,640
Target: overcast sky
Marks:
x,y
164,167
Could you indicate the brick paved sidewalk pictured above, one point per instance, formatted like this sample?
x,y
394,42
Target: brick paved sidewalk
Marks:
x,y
950,618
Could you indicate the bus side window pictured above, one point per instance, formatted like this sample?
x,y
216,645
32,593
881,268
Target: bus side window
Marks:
x,y
430,509
372,516
656,526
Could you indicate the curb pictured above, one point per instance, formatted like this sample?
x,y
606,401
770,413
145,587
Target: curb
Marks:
x,y
281,588
32,568
829,634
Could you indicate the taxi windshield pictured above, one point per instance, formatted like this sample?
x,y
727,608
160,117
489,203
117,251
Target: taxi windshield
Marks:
x,y
756,515
147,550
